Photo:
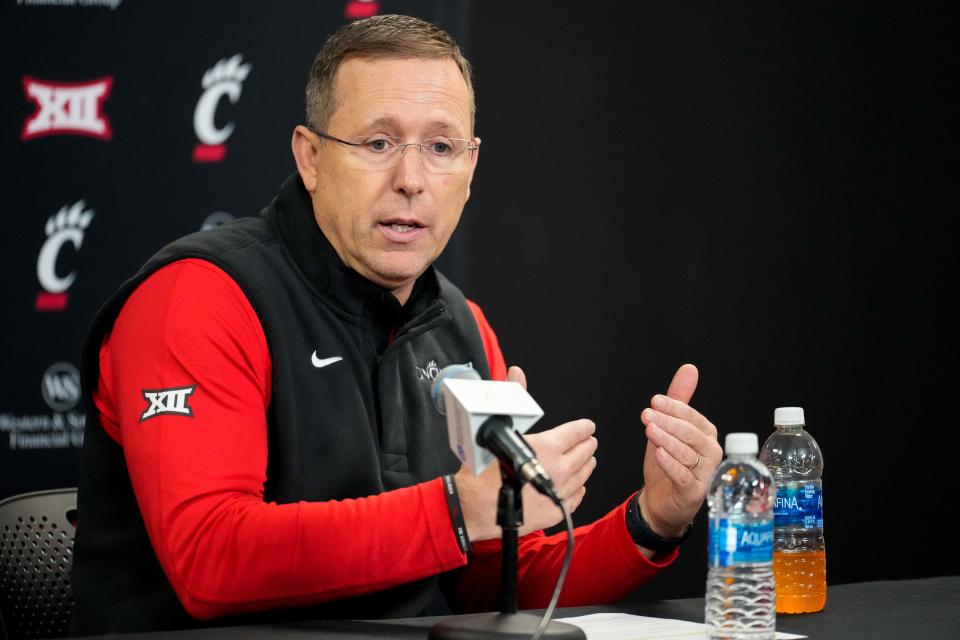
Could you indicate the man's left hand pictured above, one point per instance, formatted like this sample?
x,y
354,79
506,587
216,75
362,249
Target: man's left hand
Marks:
x,y
682,454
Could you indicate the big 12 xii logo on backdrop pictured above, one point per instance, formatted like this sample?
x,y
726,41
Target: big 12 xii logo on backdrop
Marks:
x,y
72,108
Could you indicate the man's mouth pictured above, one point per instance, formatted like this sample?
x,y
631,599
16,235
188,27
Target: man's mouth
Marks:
x,y
402,230
402,227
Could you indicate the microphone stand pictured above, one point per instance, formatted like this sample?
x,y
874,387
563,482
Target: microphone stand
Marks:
x,y
508,624
509,517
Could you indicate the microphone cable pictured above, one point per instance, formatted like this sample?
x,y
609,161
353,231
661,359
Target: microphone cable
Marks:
x,y
548,614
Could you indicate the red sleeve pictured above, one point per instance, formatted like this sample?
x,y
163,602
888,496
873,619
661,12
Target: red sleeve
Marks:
x,y
199,479
606,567
498,367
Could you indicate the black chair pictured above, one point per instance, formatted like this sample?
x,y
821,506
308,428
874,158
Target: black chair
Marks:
x,y
36,554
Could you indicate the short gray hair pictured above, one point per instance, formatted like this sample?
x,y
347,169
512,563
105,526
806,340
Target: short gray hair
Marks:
x,y
386,36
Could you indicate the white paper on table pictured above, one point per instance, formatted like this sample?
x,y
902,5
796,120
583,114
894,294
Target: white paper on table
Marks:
x,y
624,626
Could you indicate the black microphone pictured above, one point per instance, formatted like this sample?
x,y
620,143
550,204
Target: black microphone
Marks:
x,y
497,435
516,457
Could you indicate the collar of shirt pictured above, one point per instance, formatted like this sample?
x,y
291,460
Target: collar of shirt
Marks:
x,y
291,215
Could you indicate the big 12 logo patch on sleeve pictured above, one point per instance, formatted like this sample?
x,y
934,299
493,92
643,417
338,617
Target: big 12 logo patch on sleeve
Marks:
x,y
172,401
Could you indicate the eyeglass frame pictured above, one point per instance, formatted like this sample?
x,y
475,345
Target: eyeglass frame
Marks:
x,y
471,145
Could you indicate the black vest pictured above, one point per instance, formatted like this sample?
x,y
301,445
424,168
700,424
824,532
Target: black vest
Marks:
x,y
369,429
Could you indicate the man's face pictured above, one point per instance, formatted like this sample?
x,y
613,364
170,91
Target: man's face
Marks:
x,y
389,225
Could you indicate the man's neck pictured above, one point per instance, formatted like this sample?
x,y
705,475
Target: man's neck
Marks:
x,y
403,293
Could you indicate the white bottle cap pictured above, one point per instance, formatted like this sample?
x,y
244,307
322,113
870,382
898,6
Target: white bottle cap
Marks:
x,y
740,443
788,415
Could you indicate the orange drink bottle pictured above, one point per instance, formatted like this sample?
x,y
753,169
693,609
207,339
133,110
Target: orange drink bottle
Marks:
x,y
799,555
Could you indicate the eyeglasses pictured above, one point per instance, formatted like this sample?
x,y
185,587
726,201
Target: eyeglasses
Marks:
x,y
379,152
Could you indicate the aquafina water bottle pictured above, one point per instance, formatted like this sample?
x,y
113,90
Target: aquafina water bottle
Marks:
x,y
740,597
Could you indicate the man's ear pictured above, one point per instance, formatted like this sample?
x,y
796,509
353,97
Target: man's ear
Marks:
x,y
306,148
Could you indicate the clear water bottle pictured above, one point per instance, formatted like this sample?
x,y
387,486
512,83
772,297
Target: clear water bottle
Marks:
x,y
799,554
740,593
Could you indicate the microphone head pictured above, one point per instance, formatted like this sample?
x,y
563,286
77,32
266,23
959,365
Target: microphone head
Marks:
x,y
450,372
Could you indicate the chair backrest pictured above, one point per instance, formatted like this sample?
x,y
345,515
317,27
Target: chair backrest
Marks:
x,y
36,555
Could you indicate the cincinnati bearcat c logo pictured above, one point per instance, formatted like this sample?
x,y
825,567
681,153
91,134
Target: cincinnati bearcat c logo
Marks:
x,y
224,79
65,227
168,401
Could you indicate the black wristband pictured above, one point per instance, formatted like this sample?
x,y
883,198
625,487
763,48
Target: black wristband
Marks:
x,y
644,536
456,514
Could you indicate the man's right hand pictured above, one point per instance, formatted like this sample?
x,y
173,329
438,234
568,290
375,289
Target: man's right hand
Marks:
x,y
566,452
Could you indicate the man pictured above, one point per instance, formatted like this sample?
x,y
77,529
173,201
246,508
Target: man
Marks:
x,y
259,445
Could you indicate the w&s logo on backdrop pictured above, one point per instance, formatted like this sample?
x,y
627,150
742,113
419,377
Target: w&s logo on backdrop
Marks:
x,y
223,79
65,227
67,108
60,386
61,429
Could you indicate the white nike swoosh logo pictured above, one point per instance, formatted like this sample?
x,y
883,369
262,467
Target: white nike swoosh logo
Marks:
x,y
319,363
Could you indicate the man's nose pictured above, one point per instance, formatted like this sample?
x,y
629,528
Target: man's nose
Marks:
x,y
409,174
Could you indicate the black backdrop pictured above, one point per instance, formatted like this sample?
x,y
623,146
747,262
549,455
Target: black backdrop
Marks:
x,y
759,189
762,189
